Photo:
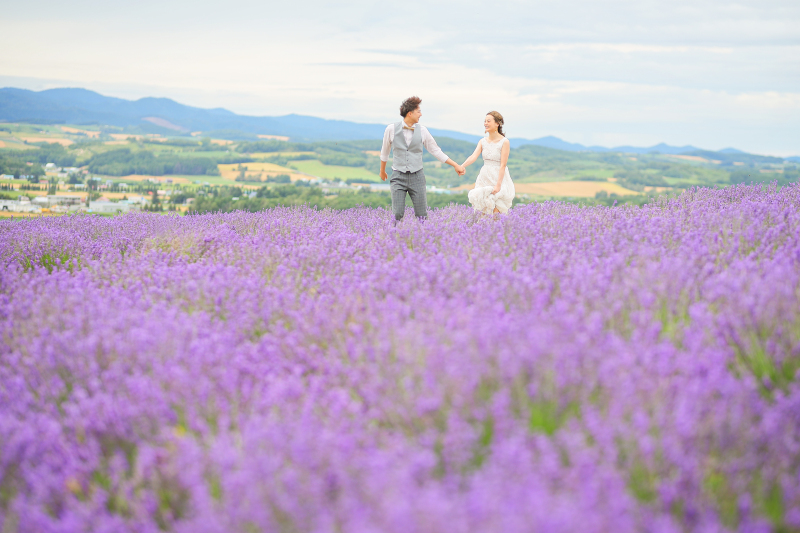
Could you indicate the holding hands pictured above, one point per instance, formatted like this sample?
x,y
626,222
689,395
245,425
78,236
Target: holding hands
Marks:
x,y
460,170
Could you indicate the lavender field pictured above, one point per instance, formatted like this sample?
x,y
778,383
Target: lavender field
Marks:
x,y
560,369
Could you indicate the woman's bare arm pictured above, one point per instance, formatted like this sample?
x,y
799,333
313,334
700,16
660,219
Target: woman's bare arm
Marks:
x,y
503,161
471,159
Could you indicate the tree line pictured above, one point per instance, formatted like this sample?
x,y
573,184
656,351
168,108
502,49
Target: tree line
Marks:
x,y
221,199
124,161
754,175
15,162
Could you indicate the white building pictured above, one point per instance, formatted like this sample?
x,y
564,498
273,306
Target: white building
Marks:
x,y
110,207
19,206
55,199
137,200
66,200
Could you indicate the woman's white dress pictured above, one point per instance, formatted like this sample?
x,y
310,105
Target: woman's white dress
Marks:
x,y
481,196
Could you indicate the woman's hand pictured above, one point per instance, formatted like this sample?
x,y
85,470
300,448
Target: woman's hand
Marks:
x,y
497,188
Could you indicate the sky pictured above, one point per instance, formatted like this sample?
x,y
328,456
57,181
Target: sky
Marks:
x,y
708,73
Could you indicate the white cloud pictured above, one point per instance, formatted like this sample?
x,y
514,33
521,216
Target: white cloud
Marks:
x,y
622,72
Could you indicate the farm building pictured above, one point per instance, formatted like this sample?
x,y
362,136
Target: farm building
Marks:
x,y
21,205
110,207
56,199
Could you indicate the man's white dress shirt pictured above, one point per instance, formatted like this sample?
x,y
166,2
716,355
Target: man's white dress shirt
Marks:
x,y
427,141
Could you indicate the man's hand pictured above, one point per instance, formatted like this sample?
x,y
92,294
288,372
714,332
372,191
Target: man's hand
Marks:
x,y
384,176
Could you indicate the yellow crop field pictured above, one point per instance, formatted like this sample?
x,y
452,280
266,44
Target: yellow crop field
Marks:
x,y
376,153
580,189
88,133
120,195
576,189
15,144
62,192
696,158
2,144
258,171
274,137
10,214
62,142
221,142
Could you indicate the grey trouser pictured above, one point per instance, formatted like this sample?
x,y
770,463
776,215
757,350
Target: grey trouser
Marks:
x,y
414,184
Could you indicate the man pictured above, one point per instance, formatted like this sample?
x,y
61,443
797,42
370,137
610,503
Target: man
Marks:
x,y
406,139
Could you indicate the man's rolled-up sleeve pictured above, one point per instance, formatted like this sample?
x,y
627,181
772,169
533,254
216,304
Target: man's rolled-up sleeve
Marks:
x,y
432,147
387,143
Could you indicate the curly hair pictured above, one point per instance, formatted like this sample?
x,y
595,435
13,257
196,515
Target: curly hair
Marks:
x,y
409,105
499,119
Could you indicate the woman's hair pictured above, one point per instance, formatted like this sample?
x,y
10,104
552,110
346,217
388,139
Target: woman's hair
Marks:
x,y
499,119
409,105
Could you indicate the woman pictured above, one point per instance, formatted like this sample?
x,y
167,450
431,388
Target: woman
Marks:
x,y
494,190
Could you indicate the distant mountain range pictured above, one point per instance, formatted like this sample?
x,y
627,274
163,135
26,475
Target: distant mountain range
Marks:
x,y
167,117
558,144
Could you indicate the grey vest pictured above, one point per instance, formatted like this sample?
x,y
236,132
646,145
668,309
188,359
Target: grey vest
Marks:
x,y
407,158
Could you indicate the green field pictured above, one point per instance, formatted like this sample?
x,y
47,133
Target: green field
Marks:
x,y
538,172
333,172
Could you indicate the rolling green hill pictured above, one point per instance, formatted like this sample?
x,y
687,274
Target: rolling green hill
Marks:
x,y
104,151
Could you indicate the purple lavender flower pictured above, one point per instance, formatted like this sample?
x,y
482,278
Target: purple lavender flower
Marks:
x,y
563,368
